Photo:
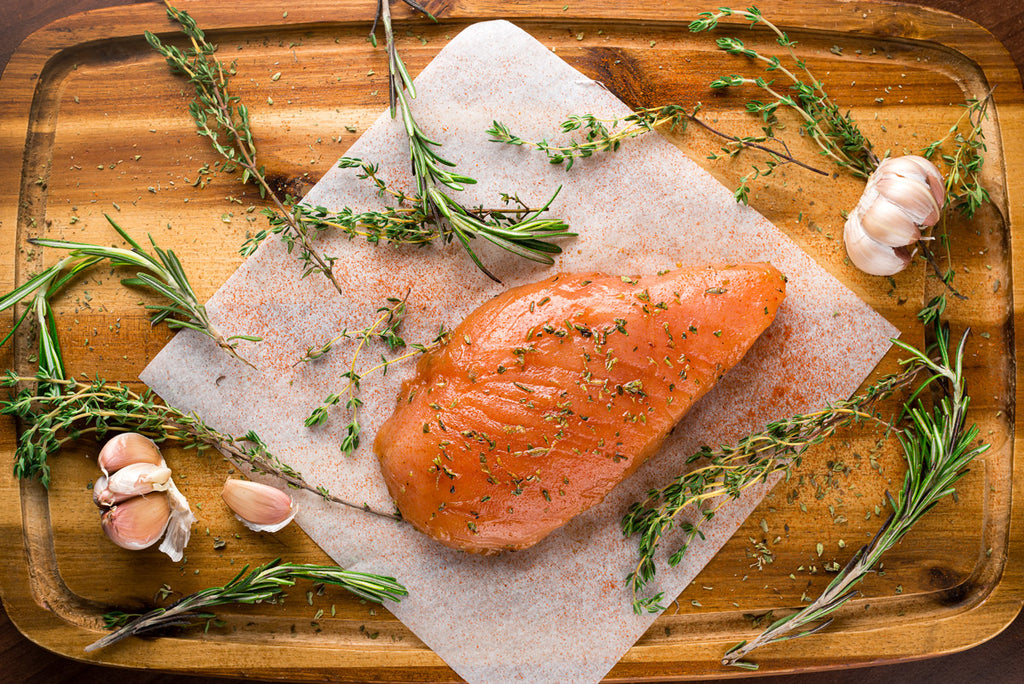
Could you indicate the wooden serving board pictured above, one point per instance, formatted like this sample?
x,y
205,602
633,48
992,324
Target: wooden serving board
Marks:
x,y
92,122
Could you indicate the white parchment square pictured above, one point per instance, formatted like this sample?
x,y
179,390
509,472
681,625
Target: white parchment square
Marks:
x,y
557,612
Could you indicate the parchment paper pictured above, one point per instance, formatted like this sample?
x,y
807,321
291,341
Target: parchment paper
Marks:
x,y
558,612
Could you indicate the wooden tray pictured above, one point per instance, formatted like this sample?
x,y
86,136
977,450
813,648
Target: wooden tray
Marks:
x,y
99,125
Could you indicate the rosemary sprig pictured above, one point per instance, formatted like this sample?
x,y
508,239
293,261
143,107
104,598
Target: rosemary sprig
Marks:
x,y
607,135
42,288
836,134
52,419
266,583
734,469
436,178
221,117
161,274
938,449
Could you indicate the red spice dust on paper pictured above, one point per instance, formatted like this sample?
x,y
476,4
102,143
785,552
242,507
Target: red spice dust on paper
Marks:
x,y
558,611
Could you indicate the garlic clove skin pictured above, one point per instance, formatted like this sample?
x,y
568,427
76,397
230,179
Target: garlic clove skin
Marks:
x,y
260,507
888,224
932,177
139,522
179,527
869,255
132,480
913,198
126,449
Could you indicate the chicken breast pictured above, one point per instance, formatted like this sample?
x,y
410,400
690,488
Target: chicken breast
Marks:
x,y
552,393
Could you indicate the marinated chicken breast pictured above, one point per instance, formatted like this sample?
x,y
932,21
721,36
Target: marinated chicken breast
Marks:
x,y
552,393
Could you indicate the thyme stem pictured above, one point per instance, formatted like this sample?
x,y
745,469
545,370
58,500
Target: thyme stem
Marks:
x,y
231,120
100,407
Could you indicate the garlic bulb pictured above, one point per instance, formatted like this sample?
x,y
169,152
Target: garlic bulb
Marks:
x,y
132,480
125,449
902,196
132,468
138,522
260,507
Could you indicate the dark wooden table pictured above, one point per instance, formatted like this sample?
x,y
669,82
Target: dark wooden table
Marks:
x,y
999,660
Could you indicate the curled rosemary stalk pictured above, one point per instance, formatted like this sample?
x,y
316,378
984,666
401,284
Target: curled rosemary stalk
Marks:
x,y
266,583
937,446
52,419
732,470
42,288
161,274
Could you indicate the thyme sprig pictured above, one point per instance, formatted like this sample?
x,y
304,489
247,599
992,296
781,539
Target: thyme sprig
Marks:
x,y
391,316
264,584
436,178
732,470
607,135
53,419
938,449
160,273
964,190
519,225
221,117
384,328
836,134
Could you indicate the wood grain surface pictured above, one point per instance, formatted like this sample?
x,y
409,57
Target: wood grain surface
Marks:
x,y
997,661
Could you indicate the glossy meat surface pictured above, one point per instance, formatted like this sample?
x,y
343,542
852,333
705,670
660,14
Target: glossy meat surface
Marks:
x,y
550,394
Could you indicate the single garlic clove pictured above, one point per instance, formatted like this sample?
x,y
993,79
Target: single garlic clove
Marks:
x,y
885,222
260,507
913,197
125,449
132,480
179,527
933,177
869,255
138,522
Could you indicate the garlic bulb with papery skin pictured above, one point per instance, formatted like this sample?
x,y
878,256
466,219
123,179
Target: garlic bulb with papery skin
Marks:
x,y
126,449
132,480
138,522
902,196
260,507
132,467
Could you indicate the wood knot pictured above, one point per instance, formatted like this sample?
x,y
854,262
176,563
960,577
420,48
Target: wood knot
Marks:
x,y
954,589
